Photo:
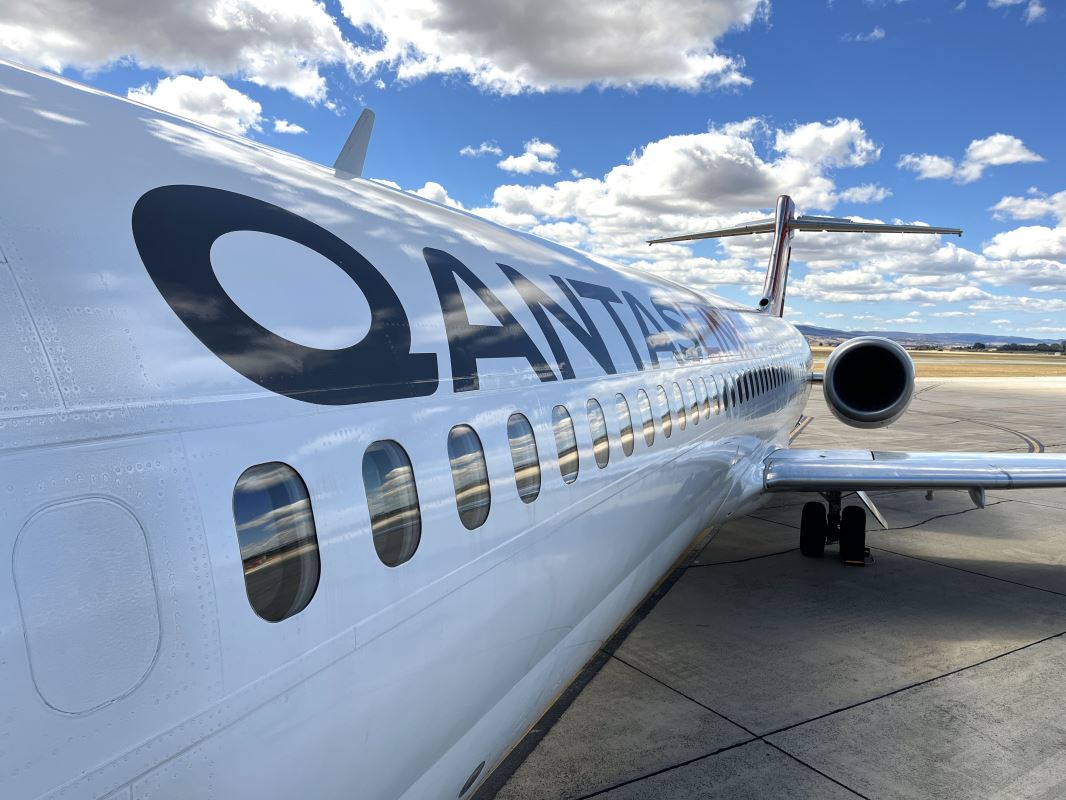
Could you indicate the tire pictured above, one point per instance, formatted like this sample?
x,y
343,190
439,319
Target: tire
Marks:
x,y
853,536
813,530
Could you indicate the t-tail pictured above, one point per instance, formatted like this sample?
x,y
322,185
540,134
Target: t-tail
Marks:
x,y
783,225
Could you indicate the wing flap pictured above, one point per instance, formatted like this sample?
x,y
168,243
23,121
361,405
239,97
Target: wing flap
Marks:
x,y
789,470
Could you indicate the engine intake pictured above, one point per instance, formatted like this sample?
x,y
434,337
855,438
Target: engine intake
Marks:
x,y
869,382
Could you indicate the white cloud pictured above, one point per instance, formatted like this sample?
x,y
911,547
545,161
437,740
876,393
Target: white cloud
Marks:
x,y
485,148
1030,241
537,156
690,182
1040,245
512,47
876,35
1035,12
1034,206
952,314
276,43
1034,9
208,100
284,126
438,194
995,150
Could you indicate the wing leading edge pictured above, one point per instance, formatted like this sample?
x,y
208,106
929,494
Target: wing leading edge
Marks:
x,y
794,470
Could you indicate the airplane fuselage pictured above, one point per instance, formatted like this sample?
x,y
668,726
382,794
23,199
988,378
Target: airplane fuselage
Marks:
x,y
179,307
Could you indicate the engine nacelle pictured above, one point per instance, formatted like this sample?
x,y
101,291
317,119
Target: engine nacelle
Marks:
x,y
868,382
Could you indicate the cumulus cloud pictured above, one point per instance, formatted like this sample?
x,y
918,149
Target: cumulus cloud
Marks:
x,y
1043,245
209,100
511,47
689,182
537,156
277,43
485,148
438,194
284,126
995,150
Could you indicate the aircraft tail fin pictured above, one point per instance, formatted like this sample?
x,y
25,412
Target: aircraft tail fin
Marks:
x,y
783,225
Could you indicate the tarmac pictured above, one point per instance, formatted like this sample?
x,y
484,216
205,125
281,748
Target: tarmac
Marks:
x,y
937,671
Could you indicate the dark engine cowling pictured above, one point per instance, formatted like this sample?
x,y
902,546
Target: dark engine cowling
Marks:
x,y
868,382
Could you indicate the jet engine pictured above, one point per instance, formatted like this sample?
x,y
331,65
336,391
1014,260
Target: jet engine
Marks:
x,y
868,382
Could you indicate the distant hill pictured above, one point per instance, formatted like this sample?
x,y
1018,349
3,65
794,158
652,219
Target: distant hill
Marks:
x,y
927,339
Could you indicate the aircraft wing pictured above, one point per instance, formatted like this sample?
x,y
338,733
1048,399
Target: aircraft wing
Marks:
x,y
798,470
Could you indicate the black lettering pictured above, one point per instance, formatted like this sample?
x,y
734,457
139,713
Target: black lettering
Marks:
x,y
676,320
606,297
657,341
468,342
174,228
538,300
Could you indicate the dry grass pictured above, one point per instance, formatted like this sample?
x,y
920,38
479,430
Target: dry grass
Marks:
x,y
962,364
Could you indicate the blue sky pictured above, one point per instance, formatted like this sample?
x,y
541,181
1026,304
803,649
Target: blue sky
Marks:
x,y
657,117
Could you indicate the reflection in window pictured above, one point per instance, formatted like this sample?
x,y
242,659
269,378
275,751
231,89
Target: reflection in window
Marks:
x,y
716,398
732,391
704,397
565,443
525,457
625,423
601,446
647,421
470,476
392,499
694,406
664,405
276,534
679,406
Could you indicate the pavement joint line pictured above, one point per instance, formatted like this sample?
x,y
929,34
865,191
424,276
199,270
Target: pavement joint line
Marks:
x,y
916,684
532,738
639,778
969,571
754,738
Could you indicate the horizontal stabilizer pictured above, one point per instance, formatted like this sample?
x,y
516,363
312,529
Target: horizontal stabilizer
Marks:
x,y
762,226
806,223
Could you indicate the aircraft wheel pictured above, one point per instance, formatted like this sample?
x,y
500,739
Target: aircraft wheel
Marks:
x,y
853,536
813,530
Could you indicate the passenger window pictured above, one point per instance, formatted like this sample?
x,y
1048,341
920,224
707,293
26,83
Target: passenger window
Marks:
x,y
679,406
565,443
470,476
716,398
601,446
705,397
647,419
625,423
665,419
733,391
694,407
277,538
392,499
525,457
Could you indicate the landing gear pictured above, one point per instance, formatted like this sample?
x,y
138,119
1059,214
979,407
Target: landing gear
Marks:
x,y
814,529
826,523
853,536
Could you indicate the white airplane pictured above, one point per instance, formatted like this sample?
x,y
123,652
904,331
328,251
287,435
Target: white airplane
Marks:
x,y
313,488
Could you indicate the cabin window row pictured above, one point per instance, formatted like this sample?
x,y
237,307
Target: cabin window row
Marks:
x,y
275,522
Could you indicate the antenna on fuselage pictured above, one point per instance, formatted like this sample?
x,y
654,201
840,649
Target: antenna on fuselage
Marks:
x,y
783,225
349,163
